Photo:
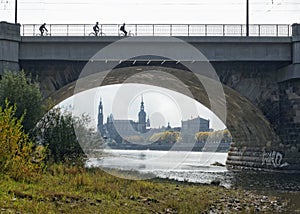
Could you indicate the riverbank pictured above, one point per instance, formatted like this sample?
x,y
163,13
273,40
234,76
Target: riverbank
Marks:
x,y
197,147
75,190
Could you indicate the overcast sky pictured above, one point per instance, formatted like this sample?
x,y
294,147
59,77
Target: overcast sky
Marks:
x,y
151,11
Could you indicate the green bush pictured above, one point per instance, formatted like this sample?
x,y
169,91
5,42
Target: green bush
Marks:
x,y
19,158
25,93
56,131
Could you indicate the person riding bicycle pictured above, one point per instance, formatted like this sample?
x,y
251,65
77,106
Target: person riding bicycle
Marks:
x,y
96,29
43,29
122,28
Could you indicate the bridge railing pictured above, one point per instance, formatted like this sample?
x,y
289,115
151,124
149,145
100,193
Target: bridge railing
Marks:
x,y
276,30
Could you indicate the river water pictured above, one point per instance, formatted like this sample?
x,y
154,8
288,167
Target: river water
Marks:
x,y
178,165
197,167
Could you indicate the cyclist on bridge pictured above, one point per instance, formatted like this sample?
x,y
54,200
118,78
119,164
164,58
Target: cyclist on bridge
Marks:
x,y
43,29
96,28
122,28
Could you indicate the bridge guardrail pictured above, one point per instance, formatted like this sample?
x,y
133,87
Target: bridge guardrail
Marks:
x,y
276,30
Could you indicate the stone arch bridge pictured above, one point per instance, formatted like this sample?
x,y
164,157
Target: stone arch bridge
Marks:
x,y
260,78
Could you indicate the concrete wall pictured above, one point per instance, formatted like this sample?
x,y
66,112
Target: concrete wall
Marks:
x,y
213,48
9,46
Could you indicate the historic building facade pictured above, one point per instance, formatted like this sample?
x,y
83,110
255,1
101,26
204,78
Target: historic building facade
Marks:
x,y
114,128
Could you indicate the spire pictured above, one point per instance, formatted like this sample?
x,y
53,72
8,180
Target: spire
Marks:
x,y
100,106
142,118
142,104
100,117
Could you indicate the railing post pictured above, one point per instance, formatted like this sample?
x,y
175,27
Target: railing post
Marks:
x,y
223,29
83,29
205,31
188,30
135,29
67,29
33,30
50,29
153,30
241,30
277,30
170,29
258,30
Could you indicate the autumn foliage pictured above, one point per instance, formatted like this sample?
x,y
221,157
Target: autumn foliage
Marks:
x,y
19,157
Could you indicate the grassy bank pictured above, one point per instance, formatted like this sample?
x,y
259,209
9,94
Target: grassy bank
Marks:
x,y
75,190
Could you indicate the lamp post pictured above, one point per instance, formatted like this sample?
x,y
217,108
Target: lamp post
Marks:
x,y
247,18
16,11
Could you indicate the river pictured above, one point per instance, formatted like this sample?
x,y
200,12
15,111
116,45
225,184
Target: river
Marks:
x,y
196,167
178,165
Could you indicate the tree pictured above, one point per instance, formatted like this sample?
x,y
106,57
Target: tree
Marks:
x,y
25,93
166,137
62,134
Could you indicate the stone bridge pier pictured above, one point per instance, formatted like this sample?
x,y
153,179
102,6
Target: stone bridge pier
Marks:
x,y
282,109
260,76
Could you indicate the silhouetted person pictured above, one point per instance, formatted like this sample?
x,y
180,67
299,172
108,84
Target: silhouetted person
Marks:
x,y
96,28
122,28
43,29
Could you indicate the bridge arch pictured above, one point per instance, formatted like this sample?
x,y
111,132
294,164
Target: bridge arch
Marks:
x,y
252,133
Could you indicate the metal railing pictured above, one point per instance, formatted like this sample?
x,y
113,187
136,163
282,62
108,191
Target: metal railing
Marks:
x,y
276,30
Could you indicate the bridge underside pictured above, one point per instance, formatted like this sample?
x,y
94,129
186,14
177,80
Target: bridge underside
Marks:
x,y
256,142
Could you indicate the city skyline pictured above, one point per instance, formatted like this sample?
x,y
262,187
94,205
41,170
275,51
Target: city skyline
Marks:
x,y
162,105
137,119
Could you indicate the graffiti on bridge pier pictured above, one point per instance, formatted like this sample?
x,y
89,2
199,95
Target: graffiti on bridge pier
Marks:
x,y
273,158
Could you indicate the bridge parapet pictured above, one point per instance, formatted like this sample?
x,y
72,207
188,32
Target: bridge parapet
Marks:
x,y
258,30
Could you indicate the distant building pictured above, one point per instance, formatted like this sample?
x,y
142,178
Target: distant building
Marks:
x,y
190,127
116,128
197,124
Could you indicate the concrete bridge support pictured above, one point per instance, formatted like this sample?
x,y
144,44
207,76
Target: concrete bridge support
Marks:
x,y
9,46
285,154
289,90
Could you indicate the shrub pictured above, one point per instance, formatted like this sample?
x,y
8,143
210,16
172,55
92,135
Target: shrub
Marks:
x,y
56,131
18,155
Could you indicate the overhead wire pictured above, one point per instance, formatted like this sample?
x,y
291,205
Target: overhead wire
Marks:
x,y
273,5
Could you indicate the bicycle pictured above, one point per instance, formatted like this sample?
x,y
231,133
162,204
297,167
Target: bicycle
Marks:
x,y
44,34
128,33
100,33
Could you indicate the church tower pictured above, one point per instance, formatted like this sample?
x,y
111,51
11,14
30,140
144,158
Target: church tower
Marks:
x,y
142,118
100,117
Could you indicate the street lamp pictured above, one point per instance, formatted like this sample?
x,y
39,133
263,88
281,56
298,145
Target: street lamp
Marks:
x,y
247,18
16,11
